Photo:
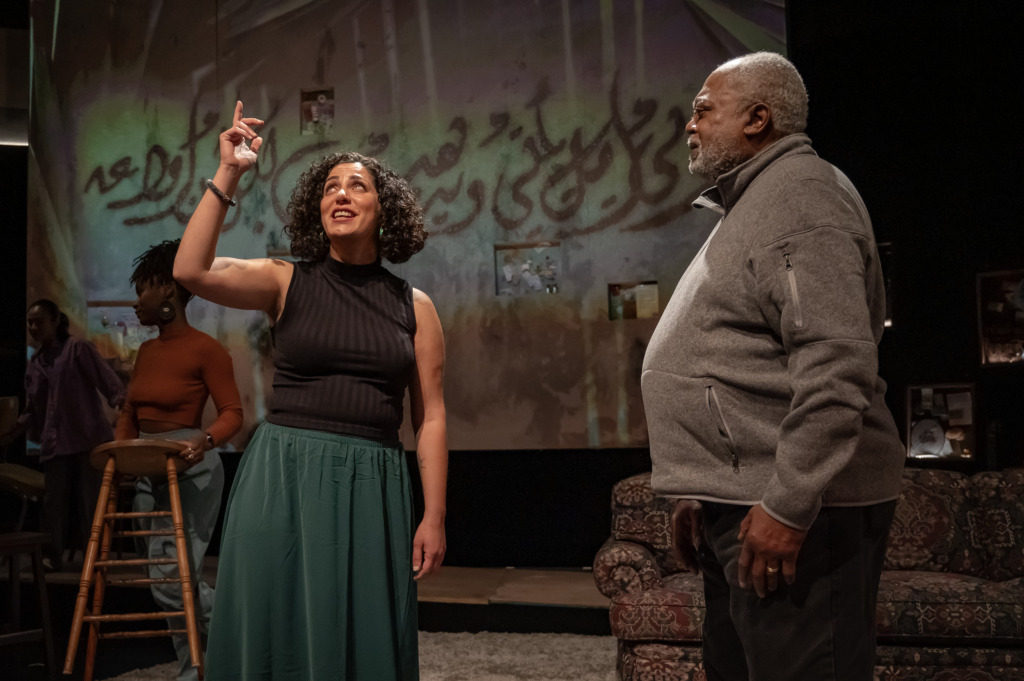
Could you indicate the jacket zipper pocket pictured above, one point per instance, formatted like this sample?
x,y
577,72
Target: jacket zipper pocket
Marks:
x,y
798,315
715,410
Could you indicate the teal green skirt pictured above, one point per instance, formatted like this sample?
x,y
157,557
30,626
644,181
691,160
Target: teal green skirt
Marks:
x,y
314,581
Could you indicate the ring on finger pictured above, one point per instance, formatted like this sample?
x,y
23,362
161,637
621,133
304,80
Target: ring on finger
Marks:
x,y
771,570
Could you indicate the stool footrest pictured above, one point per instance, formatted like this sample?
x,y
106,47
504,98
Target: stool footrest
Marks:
x,y
144,580
152,633
146,533
137,514
136,561
23,636
134,616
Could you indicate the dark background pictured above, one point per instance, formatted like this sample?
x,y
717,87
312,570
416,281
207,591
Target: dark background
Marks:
x,y
918,105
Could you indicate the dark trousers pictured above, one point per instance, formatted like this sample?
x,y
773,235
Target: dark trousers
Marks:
x,y
822,628
72,486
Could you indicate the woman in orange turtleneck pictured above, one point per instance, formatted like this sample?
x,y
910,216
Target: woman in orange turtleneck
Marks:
x,y
174,375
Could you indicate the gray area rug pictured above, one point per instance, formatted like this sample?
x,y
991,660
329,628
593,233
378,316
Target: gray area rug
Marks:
x,y
488,657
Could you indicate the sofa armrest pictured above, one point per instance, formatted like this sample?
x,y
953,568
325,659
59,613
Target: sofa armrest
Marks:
x,y
623,567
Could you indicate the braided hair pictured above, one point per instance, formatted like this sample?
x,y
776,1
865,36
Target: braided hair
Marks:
x,y
156,266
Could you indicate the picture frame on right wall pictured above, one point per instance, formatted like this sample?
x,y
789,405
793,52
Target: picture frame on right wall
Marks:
x,y
1001,317
940,421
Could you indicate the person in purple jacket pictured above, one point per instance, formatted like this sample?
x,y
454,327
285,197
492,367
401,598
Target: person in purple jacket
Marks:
x,y
64,414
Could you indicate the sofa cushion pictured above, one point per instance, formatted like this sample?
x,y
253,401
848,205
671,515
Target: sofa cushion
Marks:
x,y
641,516
929,528
931,606
957,663
672,612
996,522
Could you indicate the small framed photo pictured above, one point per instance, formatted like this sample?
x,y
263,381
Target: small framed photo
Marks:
x,y
316,111
1001,317
940,421
528,268
633,300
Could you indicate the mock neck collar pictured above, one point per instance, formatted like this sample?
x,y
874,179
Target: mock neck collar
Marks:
x,y
348,270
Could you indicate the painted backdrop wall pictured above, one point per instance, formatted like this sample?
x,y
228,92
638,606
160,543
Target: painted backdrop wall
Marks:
x,y
545,139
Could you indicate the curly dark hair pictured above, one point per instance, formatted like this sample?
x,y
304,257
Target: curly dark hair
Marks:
x,y
156,266
402,232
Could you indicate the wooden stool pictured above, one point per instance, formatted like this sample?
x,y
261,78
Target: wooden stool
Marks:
x,y
24,482
143,458
14,544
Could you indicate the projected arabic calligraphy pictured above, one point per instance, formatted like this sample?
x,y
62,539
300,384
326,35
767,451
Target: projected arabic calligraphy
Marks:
x,y
561,122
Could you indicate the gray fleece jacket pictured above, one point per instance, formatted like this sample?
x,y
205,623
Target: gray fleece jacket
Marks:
x,y
760,383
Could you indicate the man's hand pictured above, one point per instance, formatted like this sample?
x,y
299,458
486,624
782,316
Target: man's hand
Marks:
x,y
687,533
768,547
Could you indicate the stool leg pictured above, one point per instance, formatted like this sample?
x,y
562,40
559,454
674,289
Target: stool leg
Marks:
x,y
90,561
184,572
44,607
21,516
14,576
100,587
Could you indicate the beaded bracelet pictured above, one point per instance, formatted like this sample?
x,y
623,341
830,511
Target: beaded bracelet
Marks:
x,y
218,193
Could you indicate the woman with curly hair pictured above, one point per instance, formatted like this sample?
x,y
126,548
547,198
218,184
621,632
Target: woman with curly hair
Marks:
x,y
319,560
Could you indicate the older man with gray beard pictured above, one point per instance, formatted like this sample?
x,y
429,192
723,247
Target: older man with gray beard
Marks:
x,y
766,414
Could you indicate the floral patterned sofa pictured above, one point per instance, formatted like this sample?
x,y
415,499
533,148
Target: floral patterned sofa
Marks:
x,y
950,604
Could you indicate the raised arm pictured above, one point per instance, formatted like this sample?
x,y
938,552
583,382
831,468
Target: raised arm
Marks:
x,y
247,284
426,393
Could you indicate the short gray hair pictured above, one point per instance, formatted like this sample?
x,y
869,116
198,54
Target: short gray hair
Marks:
x,y
772,79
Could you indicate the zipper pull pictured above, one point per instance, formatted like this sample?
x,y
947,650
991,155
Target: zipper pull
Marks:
x,y
789,264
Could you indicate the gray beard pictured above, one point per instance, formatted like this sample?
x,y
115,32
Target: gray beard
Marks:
x,y
716,157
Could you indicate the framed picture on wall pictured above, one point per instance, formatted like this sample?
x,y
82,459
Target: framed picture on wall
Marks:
x,y
528,268
940,421
1001,317
316,111
633,300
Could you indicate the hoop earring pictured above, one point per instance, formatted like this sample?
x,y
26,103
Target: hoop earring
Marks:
x,y
166,312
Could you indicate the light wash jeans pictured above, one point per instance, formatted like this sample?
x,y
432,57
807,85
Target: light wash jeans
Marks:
x,y
200,488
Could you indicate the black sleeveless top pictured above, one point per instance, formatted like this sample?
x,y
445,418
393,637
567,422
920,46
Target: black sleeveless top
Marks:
x,y
343,350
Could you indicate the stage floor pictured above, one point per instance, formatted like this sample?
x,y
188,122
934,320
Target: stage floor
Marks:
x,y
452,584
456,599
